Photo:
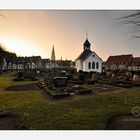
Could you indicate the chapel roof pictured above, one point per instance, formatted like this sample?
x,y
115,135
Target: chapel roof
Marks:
x,y
84,55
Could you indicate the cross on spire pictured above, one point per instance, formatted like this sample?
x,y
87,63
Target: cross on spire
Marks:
x,y
86,34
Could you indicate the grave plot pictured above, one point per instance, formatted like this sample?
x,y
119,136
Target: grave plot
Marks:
x,y
25,87
125,82
99,88
67,91
81,90
80,84
56,93
26,75
122,85
59,87
123,79
58,84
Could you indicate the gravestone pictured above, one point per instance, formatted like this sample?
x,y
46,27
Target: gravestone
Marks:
x,y
30,75
70,76
19,76
136,78
63,72
81,77
113,78
60,81
94,77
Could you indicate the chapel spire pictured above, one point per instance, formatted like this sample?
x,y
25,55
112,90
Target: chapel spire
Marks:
x,y
86,43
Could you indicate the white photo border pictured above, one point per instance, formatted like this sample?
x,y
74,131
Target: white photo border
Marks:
x,y
69,5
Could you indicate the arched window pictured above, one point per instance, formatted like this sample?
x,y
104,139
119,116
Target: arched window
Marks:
x,y
97,65
89,65
93,65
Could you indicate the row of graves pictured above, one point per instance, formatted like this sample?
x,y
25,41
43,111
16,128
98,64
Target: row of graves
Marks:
x,y
27,75
125,79
67,82
63,83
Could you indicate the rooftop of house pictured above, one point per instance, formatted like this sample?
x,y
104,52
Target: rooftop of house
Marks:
x,y
20,60
136,59
119,59
33,58
45,60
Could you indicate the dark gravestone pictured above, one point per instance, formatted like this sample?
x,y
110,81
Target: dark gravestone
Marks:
x,y
30,75
63,72
19,77
81,77
60,81
70,76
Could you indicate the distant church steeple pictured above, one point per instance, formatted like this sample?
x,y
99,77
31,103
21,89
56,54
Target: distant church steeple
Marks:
x,y
53,54
61,58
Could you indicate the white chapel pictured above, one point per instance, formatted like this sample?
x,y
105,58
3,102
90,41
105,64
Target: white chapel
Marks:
x,y
88,61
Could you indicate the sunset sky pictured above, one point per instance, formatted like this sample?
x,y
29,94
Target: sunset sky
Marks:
x,y
29,33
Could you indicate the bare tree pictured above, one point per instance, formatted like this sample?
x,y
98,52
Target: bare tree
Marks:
x,y
133,20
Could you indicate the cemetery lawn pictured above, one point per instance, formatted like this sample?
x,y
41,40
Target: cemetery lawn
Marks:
x,y
78,113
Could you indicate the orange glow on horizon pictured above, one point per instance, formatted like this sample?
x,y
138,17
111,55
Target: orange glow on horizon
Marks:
x,y
21,47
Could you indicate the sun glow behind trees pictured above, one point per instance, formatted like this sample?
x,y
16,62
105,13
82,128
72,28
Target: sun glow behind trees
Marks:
x,y
21,47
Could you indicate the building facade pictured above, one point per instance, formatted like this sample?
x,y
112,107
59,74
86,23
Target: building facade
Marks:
x,y
123,62
135,64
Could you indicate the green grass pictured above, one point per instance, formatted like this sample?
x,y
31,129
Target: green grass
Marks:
x,y
81,112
